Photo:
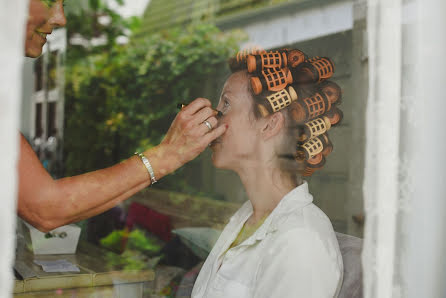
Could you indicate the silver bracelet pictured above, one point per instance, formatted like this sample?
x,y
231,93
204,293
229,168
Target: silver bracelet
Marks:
x,y
149,168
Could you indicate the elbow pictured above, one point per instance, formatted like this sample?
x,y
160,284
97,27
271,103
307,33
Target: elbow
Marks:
x,y
43,214
45,226
41,218
42,224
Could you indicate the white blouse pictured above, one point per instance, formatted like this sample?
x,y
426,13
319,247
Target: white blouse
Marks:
x,y
294,253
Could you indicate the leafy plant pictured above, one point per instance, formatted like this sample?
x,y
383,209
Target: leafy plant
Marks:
x,y
140,251
136,240
90,19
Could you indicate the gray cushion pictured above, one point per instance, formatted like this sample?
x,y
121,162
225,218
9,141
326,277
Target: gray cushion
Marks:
x,y
199,240
351,248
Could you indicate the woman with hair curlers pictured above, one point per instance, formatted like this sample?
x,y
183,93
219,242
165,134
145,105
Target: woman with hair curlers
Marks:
x,y
278,244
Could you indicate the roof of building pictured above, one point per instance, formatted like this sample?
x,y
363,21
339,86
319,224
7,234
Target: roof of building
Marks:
x,y
161,14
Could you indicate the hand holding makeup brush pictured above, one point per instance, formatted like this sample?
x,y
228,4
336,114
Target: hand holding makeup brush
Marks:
x,y
193,129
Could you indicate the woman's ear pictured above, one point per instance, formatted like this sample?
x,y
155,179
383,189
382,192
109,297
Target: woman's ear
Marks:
x,y
273,125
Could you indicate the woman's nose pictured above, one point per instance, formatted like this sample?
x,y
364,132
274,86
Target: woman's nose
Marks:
x,y
57,18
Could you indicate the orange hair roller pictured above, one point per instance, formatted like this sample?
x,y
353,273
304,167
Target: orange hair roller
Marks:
x,y
310,108
267,60
335,116
328,145
272,79
275,59
239,62
295,58
242,55
313,70
314,164
332,91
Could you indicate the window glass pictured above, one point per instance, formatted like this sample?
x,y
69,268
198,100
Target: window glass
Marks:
x,y
115,89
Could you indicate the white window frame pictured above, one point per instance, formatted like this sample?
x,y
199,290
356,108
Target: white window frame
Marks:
x,y
13,15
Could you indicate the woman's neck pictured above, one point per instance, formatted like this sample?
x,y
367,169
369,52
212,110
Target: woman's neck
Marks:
x,y
265,187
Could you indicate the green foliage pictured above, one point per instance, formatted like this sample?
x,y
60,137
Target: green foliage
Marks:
x,y
137,240
84,21
124,99
113,241
136,255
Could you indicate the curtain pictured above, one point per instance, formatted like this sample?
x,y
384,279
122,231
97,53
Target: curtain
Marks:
x,y
404,185
12,20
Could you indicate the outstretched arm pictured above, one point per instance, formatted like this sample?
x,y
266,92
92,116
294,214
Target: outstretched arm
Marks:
x,y
46,203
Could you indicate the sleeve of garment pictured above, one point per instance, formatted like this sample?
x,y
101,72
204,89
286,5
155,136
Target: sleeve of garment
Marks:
x,y
298,264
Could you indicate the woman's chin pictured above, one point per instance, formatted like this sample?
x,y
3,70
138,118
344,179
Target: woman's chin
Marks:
x,y
217,160
33,51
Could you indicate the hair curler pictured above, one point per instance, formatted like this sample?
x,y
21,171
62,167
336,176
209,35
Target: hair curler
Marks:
x,y
313,70
242,55
272,79
314,128
309,108
328,145
274,59
310,148
314,164
239,61
332,91
295,58
335,116
278,101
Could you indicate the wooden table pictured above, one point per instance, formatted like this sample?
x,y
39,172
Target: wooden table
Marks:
x,y
95,279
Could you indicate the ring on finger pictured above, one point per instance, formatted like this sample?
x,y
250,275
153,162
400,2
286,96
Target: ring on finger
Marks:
x,y
208,124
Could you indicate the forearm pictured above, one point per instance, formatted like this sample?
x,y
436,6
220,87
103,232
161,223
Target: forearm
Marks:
x,y
163,162
75,198
82,194
102,208
93,193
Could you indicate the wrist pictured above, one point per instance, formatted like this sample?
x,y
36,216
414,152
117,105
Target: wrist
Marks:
x,y
164,160
148,166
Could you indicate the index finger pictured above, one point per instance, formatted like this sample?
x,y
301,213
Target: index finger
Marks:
x,y
196,106
214,134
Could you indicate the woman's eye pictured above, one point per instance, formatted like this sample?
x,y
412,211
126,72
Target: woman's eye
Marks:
x,y
226,104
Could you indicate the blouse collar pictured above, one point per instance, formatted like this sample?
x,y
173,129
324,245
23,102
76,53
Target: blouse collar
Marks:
x,y
296,199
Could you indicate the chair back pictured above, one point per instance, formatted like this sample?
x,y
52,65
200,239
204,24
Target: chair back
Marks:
x,y
351,248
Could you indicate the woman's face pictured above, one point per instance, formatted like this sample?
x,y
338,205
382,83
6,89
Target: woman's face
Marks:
x,y
44,16
240,143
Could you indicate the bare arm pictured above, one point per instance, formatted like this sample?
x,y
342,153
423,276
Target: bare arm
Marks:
x,y
48,203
